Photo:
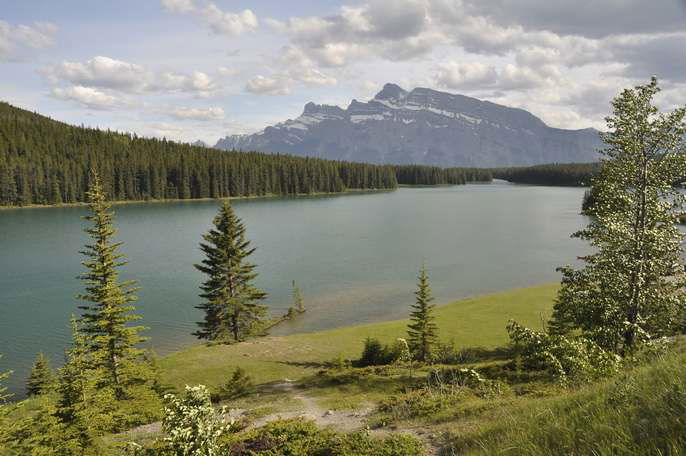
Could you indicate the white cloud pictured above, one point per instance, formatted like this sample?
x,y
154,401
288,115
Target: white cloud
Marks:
x,y
14,39
261,85
111,74
206,114
88,97
219,21
477,75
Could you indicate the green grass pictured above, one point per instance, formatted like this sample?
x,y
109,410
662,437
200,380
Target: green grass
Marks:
x,y
478,321
641,411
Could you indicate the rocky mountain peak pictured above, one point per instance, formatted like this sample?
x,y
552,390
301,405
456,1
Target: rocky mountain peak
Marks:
x,y
391,92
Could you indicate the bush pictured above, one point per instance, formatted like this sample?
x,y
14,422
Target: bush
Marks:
x,y
567,359
377,354
298,437
193,426
240,384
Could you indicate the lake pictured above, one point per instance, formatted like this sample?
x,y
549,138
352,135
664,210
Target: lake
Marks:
x,y
355,257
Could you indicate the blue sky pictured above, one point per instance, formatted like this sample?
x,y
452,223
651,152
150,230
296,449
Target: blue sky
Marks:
x,y
197,69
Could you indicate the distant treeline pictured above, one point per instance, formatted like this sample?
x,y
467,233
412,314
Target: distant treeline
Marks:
x,y
563,174
433,175
43,161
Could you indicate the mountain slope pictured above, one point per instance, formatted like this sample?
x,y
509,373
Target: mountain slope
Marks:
x,y
422,126
43,161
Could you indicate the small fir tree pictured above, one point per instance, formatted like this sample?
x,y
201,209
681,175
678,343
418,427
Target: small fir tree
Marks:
x,y
232,304
634,286
422,330
41,378
298,302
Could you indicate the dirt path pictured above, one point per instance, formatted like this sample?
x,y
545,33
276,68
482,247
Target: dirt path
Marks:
x,y
341,420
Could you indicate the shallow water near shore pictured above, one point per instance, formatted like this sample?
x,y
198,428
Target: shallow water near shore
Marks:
x,y
354,256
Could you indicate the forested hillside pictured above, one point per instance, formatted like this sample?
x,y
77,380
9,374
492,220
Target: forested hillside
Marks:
x,y
434,175
565,174
43,161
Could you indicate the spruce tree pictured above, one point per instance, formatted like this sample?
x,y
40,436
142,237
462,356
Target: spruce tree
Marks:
x,y
232,304
634,286
298,302
110,340
422,330
41,378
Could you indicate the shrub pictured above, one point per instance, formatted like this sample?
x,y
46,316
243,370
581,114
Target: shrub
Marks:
x,y
578,359
377,354
192,425
240,384
297,437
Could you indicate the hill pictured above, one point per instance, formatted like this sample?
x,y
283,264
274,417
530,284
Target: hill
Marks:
x,y
422,126
43,161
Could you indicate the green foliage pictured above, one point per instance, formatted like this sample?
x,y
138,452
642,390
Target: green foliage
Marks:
x,y
41,379
377,354
109,338
634,286
231,306
563,174
566,358
192,425
47,162
639,412
297,437
298,302
433,175
240,384
422,330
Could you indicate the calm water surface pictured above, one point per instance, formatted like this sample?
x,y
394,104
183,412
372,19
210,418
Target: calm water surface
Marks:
x,y
354,256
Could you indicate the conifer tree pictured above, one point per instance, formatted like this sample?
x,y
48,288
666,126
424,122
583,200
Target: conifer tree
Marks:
x,y
422,330
41,378
634,286
298,302
3,389
232,304
110,340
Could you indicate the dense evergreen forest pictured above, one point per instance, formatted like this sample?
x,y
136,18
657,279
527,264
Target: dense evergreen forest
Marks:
x,y
563,174
43,161
433,175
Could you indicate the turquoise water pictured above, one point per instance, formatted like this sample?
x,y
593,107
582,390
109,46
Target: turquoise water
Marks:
x,y
355,257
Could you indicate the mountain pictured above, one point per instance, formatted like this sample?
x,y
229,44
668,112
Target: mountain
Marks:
x,y
422,126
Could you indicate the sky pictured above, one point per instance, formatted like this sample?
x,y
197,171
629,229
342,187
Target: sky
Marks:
x,y
199,70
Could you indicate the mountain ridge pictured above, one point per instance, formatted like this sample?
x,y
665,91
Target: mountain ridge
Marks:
x,y
423,126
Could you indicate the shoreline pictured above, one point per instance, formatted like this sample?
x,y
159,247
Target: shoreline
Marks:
x,y
177,200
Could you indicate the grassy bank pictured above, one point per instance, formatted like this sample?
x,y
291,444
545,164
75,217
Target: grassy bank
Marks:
x,y
478,321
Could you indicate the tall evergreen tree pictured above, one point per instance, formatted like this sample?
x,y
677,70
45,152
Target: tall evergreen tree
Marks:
x,y
422,330
232,304
633,286
111,342
41,378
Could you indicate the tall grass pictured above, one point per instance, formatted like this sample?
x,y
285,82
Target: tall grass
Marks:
x,y
639,412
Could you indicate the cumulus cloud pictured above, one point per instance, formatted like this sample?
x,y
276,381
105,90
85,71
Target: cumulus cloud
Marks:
x,y
219,21
262,85
107,73
477,75
201,114
15,39
88,97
